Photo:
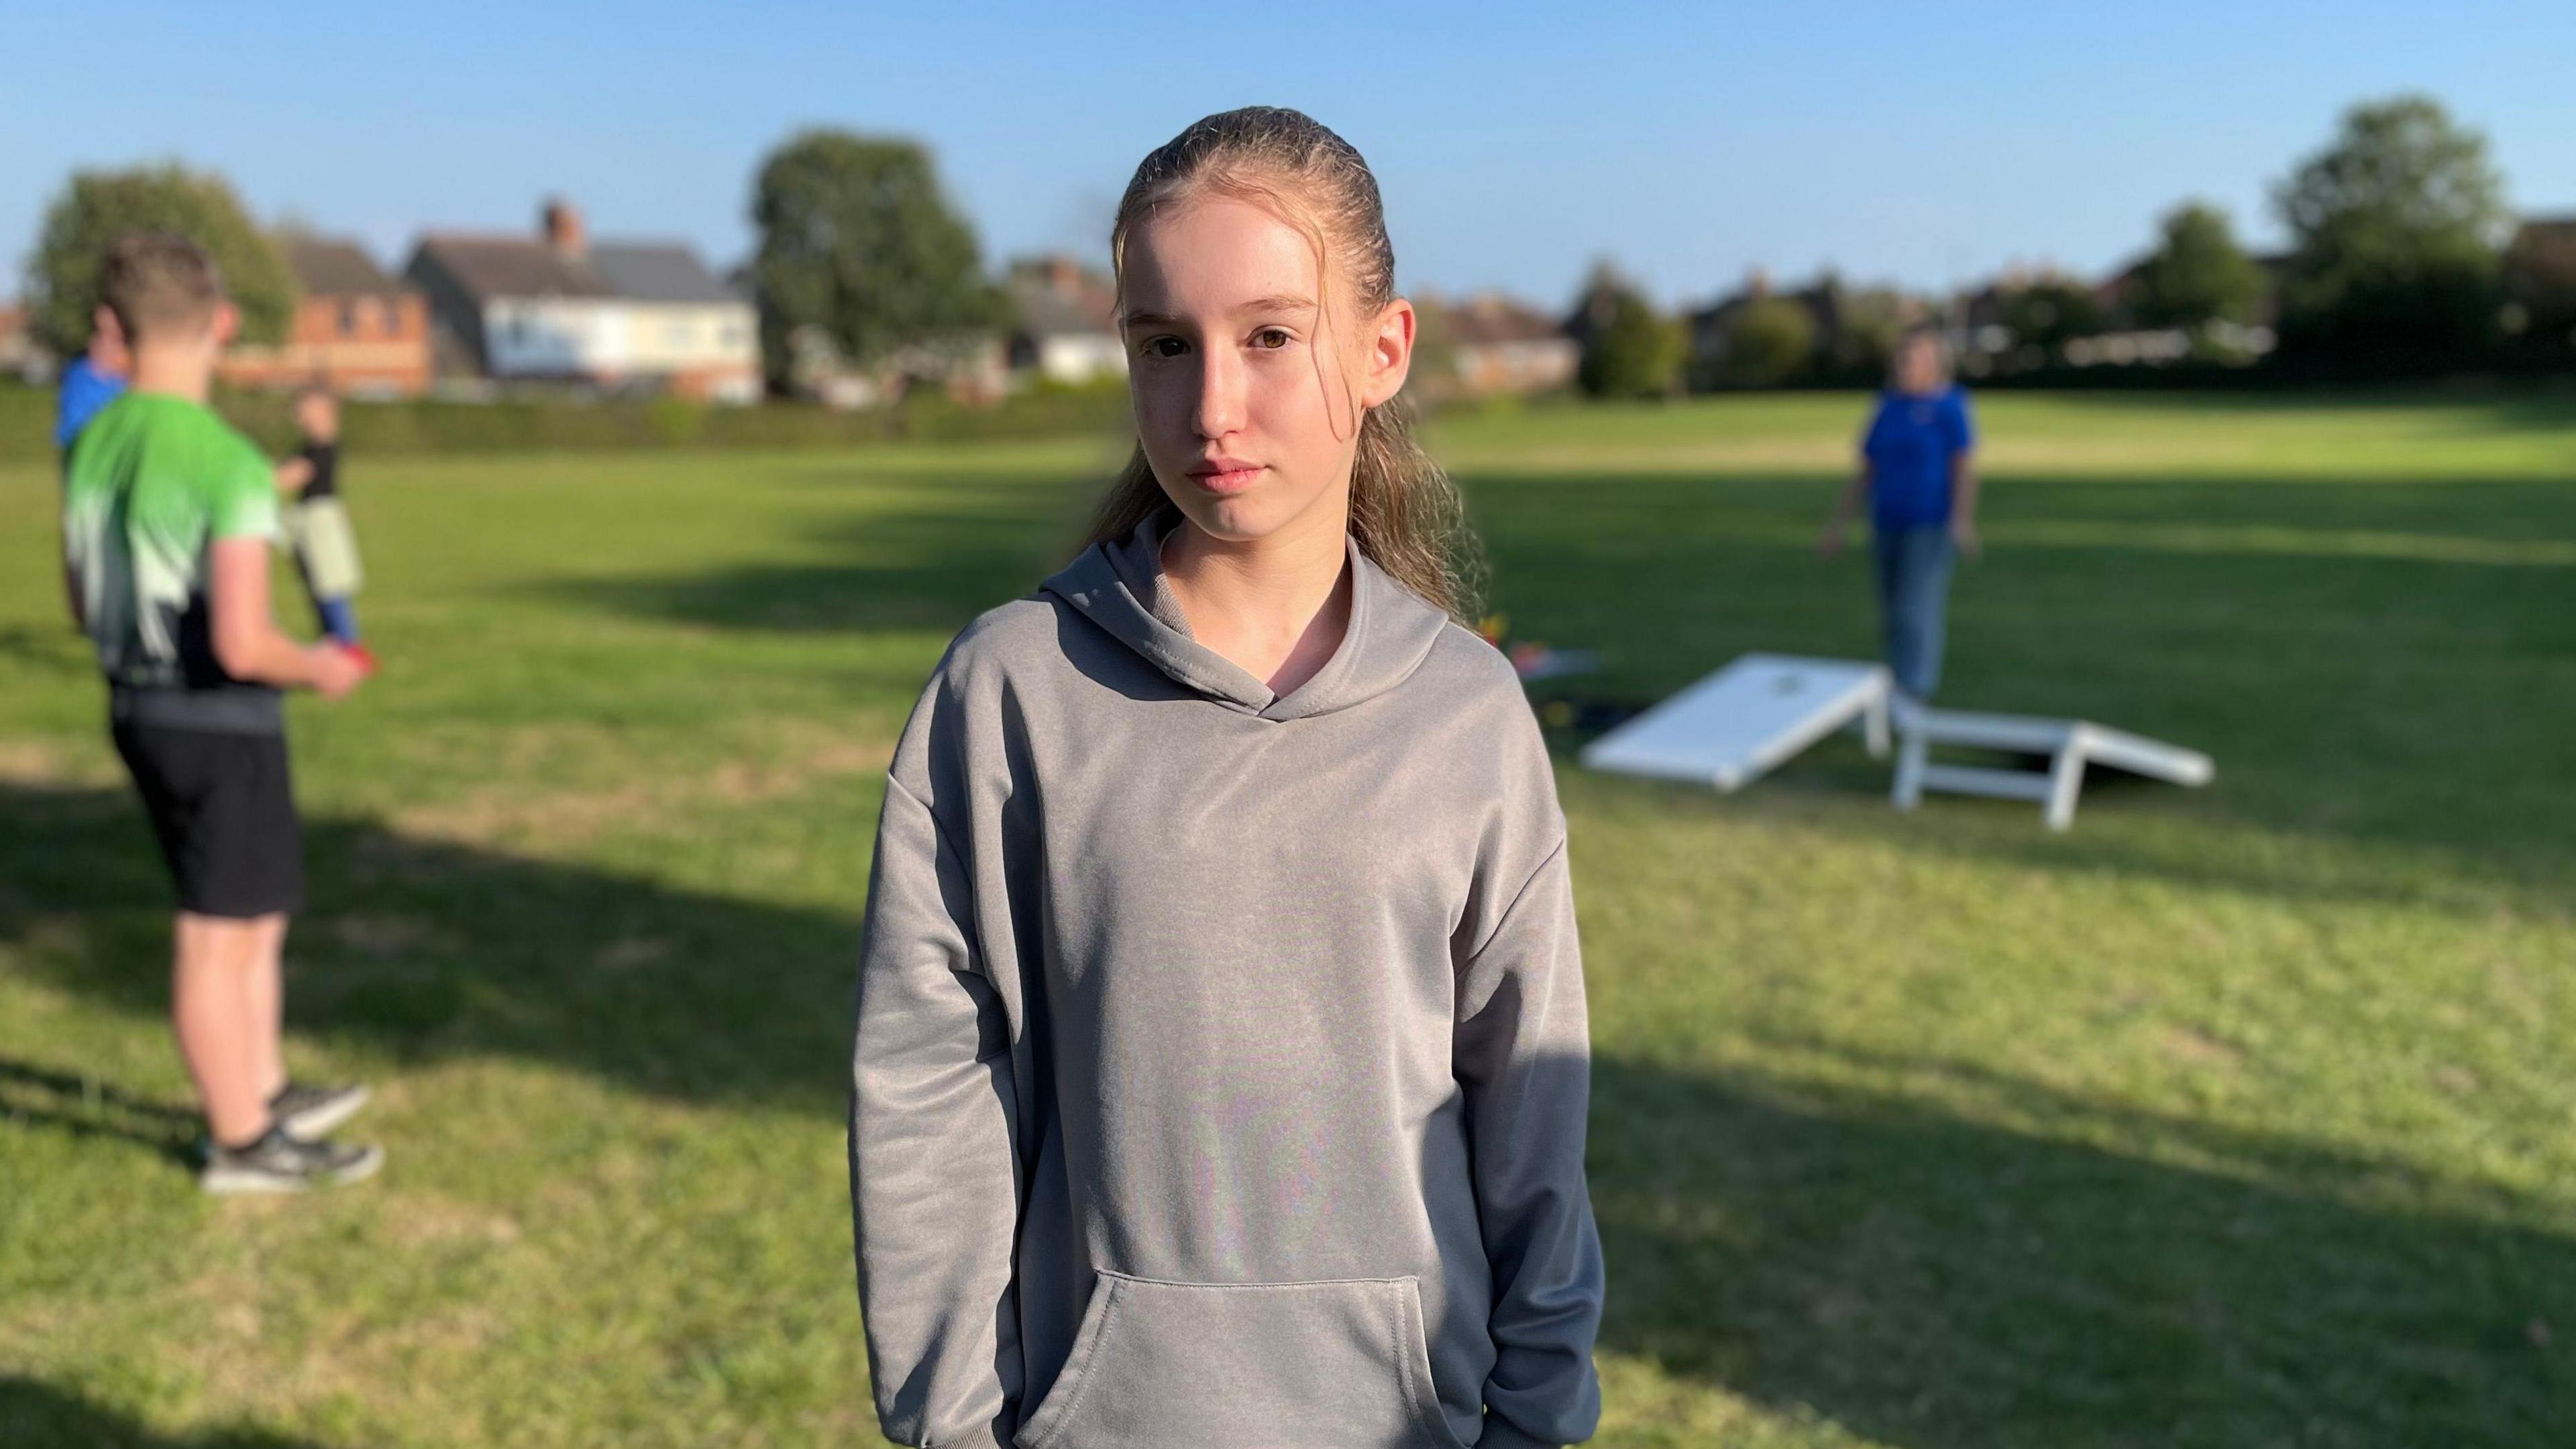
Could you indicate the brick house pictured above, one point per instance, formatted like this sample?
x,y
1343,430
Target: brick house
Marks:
x,y
355,331
1490,344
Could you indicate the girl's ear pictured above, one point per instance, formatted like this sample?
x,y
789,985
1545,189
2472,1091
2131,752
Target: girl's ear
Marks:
x,y
1389,354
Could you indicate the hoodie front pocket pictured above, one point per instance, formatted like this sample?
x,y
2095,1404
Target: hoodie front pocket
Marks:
x,y
1163,1365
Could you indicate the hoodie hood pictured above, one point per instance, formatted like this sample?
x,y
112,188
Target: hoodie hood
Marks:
x,y
1120,587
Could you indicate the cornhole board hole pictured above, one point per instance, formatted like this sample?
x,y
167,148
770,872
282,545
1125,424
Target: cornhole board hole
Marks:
x,y
1737,724
2067,744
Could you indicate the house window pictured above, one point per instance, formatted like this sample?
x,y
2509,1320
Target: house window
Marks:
x,y
349,319
676,333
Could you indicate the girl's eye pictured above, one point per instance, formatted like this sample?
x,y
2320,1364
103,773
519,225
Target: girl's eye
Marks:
x,y
1270,337
1165,346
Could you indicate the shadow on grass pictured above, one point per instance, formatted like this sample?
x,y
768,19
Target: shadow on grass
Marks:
x,y
53,651
1923,1279
981,544
1937,1283
85,1106
37,1415
431,951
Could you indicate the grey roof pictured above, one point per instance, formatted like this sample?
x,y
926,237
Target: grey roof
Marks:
x,y
499,266
1076,304
326,267
657,272
1490,318
489,267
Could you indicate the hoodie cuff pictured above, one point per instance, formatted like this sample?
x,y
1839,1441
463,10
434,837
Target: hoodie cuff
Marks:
x,y
989,1436
1499,1434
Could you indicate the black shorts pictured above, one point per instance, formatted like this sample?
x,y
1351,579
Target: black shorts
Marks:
x,y
224,812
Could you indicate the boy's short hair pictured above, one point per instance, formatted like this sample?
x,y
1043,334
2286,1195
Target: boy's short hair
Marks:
x,y
156,282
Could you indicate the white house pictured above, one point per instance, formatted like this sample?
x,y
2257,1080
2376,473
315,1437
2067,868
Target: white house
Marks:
x,y
557,306
1067,329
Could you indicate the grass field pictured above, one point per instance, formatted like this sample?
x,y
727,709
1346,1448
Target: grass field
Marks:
x,y
2236,1117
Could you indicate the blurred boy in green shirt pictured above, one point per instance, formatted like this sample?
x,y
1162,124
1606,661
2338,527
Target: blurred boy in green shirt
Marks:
x,y
168,515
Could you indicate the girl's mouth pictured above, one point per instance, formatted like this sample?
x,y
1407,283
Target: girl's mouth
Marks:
x,y
1227,477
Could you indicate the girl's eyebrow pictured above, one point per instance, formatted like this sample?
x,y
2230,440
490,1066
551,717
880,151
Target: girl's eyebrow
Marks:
x,y
1276,302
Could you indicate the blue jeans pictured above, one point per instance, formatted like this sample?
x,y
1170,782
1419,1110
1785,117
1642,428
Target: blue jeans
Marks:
x,y
339,619
1914,595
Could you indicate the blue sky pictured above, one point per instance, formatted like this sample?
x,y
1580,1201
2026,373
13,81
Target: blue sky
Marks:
x,y
1515,142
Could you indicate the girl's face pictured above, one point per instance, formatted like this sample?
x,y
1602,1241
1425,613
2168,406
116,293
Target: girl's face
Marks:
x,y
1248,398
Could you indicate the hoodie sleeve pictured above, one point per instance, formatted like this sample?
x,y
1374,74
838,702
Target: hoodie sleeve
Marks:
x,y
934,1186
1523,1058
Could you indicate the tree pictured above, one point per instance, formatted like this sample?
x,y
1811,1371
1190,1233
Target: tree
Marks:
x,y
2398,225
1770,341
858,242
2540,288
1872,321
2197,274
1629,348
1435,346
2051,312
100,206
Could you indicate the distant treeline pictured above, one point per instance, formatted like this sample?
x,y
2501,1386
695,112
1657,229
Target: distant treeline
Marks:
x,y
2405,260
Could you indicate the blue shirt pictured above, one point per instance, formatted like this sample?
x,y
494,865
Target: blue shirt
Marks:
x,y
84,392
1910,445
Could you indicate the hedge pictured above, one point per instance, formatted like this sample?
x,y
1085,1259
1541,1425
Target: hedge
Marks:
x,y
567,424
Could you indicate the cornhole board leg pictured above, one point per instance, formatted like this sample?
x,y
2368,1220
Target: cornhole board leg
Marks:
x,y
2068,744
2065,778
1911,751
1874,728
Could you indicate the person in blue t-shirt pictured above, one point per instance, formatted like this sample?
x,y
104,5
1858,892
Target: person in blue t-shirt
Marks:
x,y
90,381
1918,473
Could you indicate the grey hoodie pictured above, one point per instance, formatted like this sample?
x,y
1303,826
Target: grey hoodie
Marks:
x,y
1221,1063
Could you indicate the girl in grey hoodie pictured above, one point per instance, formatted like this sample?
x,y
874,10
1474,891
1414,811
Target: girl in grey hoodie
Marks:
x,y
1221,1062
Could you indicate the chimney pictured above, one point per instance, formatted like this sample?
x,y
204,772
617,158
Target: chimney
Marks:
x,y
1064,275
1757,282
563,228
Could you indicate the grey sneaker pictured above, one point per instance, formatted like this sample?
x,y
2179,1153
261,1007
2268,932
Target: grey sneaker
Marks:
x,y
311,1112
282,1163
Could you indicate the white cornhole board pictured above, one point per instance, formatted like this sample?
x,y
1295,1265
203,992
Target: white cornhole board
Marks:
x,y
1730,728
2069,744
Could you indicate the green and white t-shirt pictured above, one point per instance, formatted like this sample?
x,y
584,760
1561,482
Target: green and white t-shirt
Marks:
x,y
151,484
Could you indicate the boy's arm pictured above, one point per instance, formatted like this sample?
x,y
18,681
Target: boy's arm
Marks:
x,y
247,640
1845,508
294,474
1964,484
